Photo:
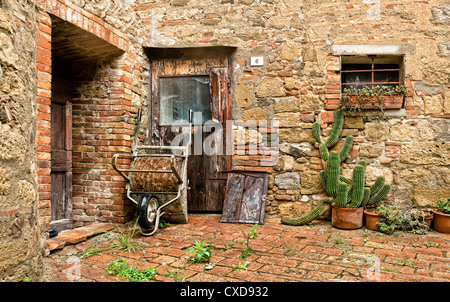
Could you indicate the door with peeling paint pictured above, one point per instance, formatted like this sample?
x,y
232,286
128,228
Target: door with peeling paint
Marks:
x,y
203,85
61,146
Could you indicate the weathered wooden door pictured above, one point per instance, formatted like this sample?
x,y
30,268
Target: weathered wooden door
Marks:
x,y
203,86
61,147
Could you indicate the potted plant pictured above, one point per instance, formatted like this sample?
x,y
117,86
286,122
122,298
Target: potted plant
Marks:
x,y
442,216
391,219
347,197
416,221
352,196
372,217
377,97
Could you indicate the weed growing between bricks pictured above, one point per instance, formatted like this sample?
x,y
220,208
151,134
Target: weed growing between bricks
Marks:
x,y
279,253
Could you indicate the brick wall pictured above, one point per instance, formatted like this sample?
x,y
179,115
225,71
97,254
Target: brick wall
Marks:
x,y
298,84
103,115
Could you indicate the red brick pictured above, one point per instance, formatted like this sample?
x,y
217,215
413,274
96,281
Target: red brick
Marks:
x,y
44,60
327,116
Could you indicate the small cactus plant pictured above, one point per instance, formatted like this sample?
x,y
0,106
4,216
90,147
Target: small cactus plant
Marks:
x,y
342,192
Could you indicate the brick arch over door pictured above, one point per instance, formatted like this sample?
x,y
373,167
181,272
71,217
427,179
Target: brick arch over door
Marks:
x,y
102,125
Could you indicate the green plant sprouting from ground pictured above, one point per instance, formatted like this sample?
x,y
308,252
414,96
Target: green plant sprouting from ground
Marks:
x,y
199,252
92,251
241,266
177,275
252,234
163,224
248,236
123,270
342,192
125,240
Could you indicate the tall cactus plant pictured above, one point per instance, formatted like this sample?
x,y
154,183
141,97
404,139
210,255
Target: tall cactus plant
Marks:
x,y
342,192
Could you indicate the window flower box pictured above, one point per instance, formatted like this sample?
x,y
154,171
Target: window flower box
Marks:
x,y
376,98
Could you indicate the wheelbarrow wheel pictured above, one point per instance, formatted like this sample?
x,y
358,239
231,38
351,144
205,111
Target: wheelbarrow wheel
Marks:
x,y
146,210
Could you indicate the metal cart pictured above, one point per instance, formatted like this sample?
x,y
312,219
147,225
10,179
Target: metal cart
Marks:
x,y
157,181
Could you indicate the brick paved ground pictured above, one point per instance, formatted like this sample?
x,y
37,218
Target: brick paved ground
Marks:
x,y
280,253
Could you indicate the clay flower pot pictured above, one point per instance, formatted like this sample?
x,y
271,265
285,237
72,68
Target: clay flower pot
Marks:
x,y
441,222
348,219
372,218
428,219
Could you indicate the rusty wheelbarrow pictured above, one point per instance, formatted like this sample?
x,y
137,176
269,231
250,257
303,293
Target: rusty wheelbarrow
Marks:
x,y
157,182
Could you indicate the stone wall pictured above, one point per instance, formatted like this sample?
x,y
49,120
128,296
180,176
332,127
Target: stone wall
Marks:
x,y
20,244
298,84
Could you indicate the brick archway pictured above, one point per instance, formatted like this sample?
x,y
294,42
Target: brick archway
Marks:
x,y
102,122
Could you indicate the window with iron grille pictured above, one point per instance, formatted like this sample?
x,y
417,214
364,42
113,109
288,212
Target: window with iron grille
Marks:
x,y
371,71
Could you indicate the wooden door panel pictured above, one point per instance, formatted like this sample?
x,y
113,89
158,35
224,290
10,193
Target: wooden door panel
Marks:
x,y
245,200
61,147
206,173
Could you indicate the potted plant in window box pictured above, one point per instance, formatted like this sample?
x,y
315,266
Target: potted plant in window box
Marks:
x,y
442,216
377,97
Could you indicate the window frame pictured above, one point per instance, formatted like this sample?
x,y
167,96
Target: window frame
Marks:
x,y
182,122
372,60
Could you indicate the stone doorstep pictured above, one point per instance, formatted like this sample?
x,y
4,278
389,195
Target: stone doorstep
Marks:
x,y
78,235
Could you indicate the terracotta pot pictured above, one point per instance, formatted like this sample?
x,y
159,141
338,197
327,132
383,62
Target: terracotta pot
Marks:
x,y
428,219
348,219
441,222
371,219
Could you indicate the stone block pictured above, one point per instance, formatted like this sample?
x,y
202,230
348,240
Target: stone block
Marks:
x,y
426,131
443,49
288,181
291,149
295,135
243,95
294,209
370,150
433,104
428,196
447,102
5,182
372,173
415,176
310,182
309,103
403,133
290,51
441,14
288,119
376,131
271,87
289,104
353,122
309,55
255,114
423,153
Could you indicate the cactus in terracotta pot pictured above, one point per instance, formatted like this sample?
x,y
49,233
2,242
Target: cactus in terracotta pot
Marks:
x,y
342,192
